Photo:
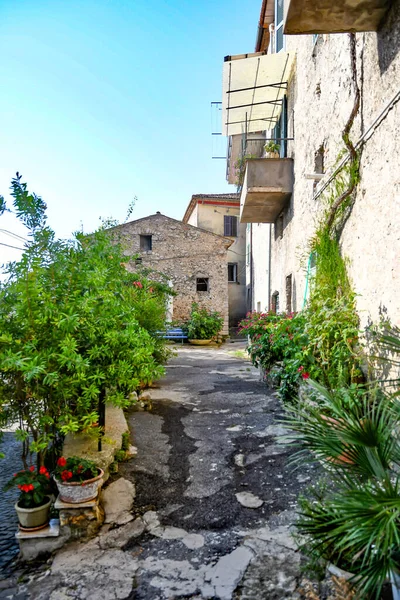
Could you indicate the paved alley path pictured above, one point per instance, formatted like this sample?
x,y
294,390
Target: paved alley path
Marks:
x,y
214,496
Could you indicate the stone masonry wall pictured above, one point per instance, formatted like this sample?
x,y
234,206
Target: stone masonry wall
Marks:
x,y
182,253
320,99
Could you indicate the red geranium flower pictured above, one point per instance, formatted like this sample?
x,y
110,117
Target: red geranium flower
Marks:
x,y
43,471
32,468
65,475
62,461
305,375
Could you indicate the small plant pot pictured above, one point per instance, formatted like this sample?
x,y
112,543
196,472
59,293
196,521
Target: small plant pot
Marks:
x,y
31,519
272,155
76,492
200,342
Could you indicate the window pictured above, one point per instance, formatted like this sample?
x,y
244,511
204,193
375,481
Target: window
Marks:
x,y
279,42
279,132
202,284
230,226
319,160
146,243
275,302
232,272
279,227
288,293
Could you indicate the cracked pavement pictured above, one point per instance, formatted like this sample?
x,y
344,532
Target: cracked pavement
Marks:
x,y
215,497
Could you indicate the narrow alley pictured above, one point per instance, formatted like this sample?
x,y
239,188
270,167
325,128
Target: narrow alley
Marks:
x,y
215,497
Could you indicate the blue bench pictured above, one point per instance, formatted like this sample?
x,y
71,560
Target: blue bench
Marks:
x,y
175,333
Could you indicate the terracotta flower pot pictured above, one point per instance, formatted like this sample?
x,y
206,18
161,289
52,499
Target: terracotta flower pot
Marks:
x,y
199,342
76,492
33,518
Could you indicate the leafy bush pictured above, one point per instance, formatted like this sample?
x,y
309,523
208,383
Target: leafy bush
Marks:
x,y
70,322
318,342
203,324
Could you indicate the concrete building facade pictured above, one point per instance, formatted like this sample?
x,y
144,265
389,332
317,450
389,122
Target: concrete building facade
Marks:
x,y
219,213
192,260
320,89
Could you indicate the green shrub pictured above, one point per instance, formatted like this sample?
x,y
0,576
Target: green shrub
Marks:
x,y
72,329
126,440
120,456
203,324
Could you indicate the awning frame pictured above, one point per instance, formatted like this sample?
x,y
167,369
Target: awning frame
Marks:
x,y
281,64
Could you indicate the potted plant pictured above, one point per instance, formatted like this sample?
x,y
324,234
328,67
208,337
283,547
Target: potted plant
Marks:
x,y
354,520
34,502
77,479
272,149
203,325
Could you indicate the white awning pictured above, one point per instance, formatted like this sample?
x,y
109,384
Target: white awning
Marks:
x,y
252,91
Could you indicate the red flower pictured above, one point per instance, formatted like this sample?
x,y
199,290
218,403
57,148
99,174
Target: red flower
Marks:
x,y
65,475
62,461
32,468
305,375
43,471
27,487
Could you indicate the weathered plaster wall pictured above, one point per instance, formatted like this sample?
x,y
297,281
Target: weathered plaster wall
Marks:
x,y
320,99
261,292
183,253
211,218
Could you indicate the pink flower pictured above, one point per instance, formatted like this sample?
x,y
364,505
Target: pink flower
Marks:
x,y
300,369
305,375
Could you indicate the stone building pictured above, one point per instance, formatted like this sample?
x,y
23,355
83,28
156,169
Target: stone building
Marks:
x,y
219,213
299,89
194,261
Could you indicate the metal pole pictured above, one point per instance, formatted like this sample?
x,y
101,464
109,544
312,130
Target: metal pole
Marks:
x,y
102,417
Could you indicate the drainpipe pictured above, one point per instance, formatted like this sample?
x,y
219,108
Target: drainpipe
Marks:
x,y
251,268
269,267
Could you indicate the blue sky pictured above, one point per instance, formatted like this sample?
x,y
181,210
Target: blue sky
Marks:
x,y
110,99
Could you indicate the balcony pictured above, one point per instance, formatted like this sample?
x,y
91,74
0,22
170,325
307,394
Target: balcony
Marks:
x,y
325,16
267,187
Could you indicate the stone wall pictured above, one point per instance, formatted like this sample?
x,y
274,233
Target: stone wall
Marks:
x,y
182,253
320,99
211,218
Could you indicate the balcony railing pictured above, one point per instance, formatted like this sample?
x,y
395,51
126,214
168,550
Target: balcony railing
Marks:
x,y
267,188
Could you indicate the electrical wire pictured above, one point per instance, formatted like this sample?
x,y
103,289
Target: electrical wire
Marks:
x,y
9,246
13,234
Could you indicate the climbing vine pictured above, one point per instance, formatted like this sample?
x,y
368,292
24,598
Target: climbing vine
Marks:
x,y
331,274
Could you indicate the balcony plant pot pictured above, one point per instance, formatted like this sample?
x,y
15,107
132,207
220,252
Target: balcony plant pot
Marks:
x,y
32,519
272,155
77,492
200,342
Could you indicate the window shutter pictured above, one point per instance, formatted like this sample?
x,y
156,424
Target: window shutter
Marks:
x,y
230,226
